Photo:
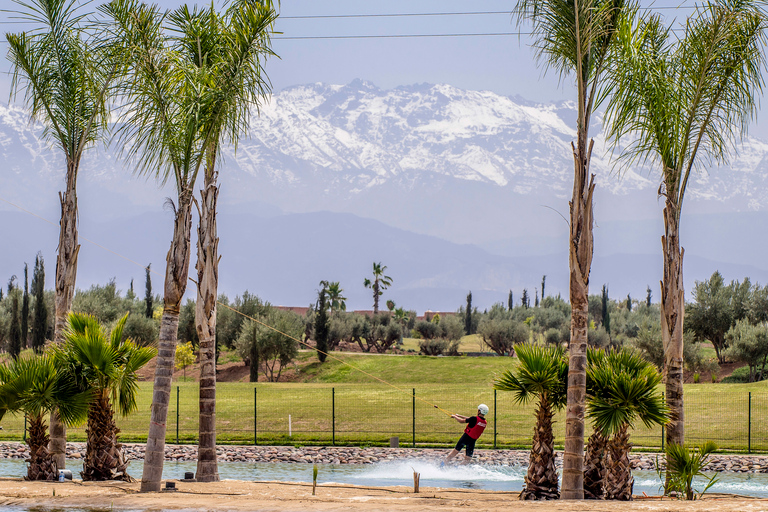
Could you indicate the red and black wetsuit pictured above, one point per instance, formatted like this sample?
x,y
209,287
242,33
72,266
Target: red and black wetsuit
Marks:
x,y
475,427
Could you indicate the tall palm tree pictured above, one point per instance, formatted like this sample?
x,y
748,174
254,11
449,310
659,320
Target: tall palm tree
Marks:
x,y
228,51
66,77
35,386
335,298
576,37
679,98
380,283
164,130
541,375
107,364
623,389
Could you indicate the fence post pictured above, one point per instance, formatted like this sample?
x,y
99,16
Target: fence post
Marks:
x,y
333,414
494,419
749,431
255,432
177,414
413,409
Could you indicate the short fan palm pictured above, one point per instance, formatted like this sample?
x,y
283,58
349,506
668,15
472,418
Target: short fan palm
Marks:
x,y
623,388
541,375
35,386
105,363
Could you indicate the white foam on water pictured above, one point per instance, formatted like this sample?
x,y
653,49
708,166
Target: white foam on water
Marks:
x,y
432,471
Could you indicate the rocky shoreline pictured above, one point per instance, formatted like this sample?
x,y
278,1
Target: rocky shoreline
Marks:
x,y
354,455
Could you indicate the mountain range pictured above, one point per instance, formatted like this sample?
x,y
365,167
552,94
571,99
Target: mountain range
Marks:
x,y
453,190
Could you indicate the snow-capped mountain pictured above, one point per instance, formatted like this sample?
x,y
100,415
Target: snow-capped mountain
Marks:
x,y
353,147
469,167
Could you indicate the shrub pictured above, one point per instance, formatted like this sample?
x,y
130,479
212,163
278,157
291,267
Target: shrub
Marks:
x,y
553,337
501,335
427,330
739,376
598,338
142,330
433,347
451,328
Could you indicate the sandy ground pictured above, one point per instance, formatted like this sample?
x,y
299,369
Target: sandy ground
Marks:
x,y
295,497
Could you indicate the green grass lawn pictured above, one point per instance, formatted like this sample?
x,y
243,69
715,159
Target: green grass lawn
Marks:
x,y
471,343
402,369
338,403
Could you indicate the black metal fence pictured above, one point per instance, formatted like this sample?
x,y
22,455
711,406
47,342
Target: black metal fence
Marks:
x,y
370,415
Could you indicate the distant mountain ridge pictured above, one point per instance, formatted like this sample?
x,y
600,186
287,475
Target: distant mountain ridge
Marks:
x,y
441,164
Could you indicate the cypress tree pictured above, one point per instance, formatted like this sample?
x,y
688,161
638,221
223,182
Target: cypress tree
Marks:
x,y
40,324
148,294
468,315
25,309
606,315
629,303
648,297
543,282
14,341
525,301
510,301
536,303
321,326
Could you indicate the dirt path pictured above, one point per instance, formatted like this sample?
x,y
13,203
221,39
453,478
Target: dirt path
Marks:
x,y
297,497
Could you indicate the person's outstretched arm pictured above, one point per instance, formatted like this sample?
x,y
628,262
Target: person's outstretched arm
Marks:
x,y
459,418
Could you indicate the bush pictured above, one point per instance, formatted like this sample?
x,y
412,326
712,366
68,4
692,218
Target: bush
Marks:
x,y
433,347
501,335
740,376
598,338
427,330
451,328
142,330
553,337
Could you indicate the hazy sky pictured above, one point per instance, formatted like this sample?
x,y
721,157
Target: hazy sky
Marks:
x,y
504,64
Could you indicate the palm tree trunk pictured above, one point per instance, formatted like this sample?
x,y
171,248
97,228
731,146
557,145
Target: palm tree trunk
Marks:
x,y
104,457
176,274
205,319
66,272
672,313
594,465
618,473
580,263
42,465
375,295
541,481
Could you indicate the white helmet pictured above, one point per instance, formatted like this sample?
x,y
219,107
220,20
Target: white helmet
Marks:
x,y
482,409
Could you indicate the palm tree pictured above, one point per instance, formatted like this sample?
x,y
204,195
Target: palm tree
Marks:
x,y
576,36
35,386
164,130
679,97
541,375
107,364
66,78
227,51
335,297
380,283
623,388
